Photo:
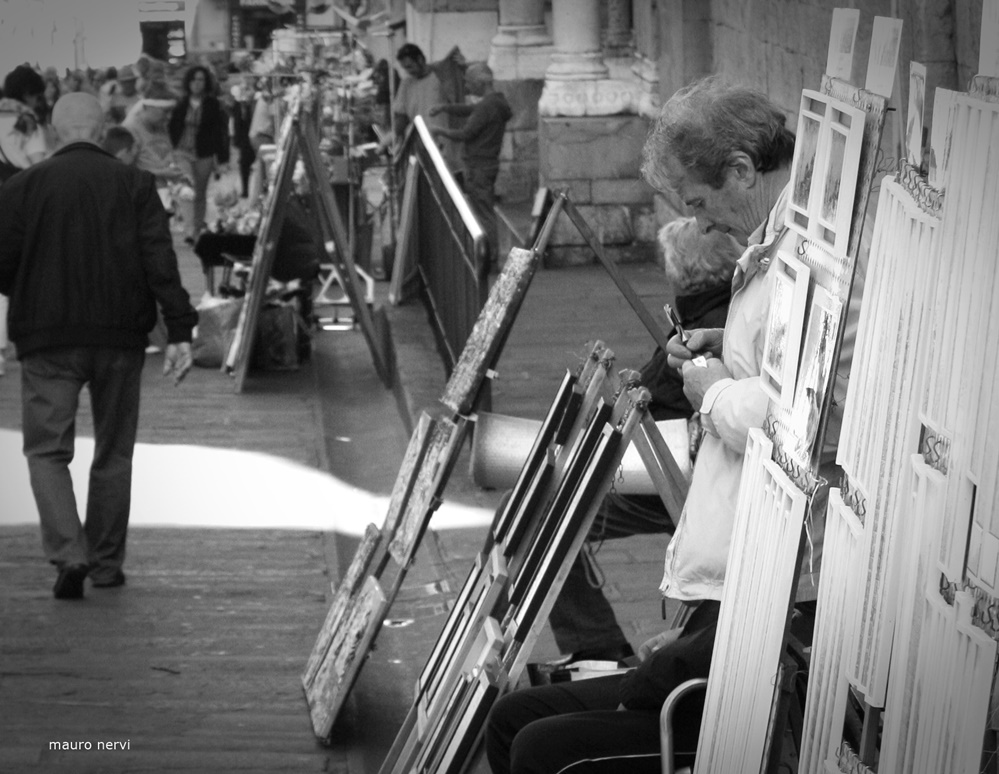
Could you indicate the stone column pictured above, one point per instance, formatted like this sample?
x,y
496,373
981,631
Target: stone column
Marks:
x,y
522,46
617,38
578,55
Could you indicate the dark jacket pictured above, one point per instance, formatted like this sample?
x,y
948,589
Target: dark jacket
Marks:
x,y
86,254
212,137
705,309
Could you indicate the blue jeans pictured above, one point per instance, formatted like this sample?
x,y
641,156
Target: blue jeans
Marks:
x,y
51,381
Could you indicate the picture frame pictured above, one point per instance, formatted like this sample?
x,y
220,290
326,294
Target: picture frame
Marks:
x,y
445,437
815,375
842,39
781,349
535,459
343,598
485,342
886,39
571,526
412,461
914,114
342,664
824,170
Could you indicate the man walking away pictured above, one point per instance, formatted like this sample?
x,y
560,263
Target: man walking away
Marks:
x,y
85,256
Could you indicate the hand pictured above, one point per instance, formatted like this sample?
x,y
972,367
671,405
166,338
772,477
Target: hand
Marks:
x,y
177,361
702,341
697,379
650,646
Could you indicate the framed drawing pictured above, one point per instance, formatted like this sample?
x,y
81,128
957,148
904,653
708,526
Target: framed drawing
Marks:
x,y
572,524
824,170
842,38
411,464
914,115
787,314
445,437
541,541
345,656
815,374
485,342
535,458
342,600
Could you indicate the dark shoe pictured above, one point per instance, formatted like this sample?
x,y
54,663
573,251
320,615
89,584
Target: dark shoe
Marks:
x,y
69,584
118,579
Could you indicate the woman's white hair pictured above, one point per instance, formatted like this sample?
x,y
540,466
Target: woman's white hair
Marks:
x,y
696,261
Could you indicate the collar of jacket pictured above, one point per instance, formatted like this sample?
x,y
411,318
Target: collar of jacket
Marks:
x,y
81,145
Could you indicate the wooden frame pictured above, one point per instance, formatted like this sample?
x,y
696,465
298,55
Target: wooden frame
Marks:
x,y
445,437
535,458
343,598
781,349
466,620
815,377
824,170
412,462
345,657
485,342
237,361
556,550
753,616
542,540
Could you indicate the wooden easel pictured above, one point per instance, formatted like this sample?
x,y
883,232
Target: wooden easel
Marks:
x,y
381,562
237,361
298,140
494,623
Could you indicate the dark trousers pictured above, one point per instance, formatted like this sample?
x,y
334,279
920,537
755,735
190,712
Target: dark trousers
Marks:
x,y
582,618
578,727
51,381
479,181
247,155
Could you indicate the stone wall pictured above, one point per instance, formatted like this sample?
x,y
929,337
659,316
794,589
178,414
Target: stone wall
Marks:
x,y
597,160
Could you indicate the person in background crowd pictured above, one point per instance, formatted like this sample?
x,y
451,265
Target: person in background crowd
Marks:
x,y
417,94
120,143
726,153
22,143
263,128
99,79
122,97
77,80
699,268
110,263
147,121
199,133
482,138
242,114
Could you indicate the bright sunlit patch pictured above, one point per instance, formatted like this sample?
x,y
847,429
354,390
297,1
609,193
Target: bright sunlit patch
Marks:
x,y
195,486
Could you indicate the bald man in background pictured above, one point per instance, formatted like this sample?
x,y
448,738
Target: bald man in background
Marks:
x,y
85,256
482,137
